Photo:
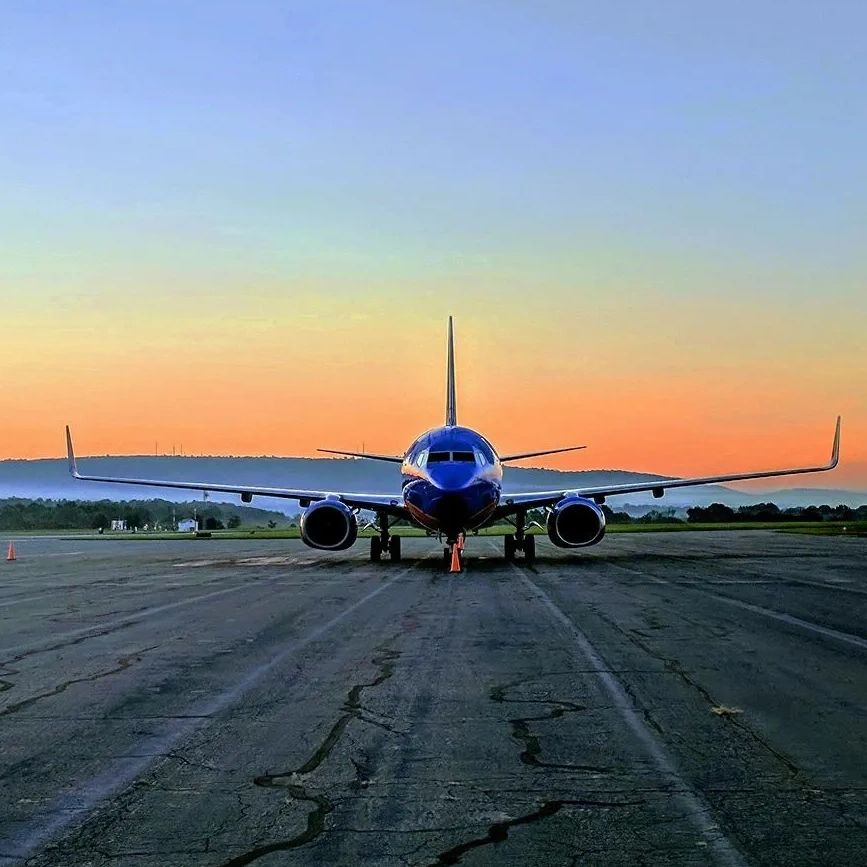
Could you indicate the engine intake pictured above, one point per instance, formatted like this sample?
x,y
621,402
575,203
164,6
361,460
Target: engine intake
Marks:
x,y
575,523
329,525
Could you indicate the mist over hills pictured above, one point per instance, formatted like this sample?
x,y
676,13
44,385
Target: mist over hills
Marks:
x,y
49,478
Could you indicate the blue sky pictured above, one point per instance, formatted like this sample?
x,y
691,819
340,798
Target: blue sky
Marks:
x,y
681,182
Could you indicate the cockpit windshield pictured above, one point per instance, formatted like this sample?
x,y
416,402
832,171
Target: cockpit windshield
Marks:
x,y
444,457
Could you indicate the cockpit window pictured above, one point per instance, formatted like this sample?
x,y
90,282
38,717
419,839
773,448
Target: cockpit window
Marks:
x,y
438,457
464,457
487,453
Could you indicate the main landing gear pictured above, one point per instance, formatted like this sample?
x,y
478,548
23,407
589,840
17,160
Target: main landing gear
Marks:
x,y
520,540
384,542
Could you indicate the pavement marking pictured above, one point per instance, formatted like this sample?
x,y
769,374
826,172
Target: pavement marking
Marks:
x,y
790,619
696,810
24,599
118,589
75,806
127,619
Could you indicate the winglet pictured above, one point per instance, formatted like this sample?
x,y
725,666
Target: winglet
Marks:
x,y
70,455
835,449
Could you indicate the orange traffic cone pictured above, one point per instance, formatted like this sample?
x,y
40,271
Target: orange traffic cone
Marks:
x,y
456,559
461,542
10,554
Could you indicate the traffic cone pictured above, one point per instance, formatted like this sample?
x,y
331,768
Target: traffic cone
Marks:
x,y
461,542
456,559
10,554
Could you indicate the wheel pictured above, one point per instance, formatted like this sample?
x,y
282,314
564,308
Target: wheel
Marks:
x,y
394,548
509,546
529,548
376,549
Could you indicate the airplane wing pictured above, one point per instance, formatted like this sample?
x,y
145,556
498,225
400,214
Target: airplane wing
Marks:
x,y
392,504
521,455
511,503
392,459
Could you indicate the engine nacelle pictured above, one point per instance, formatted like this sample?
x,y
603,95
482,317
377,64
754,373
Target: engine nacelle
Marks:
x,y
575,523
329,525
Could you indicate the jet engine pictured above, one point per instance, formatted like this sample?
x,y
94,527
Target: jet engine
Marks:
x,y
575,522
329,525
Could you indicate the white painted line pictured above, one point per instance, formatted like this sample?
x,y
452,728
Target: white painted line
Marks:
x,y
19,600
131,618
817,628
696,810
77,805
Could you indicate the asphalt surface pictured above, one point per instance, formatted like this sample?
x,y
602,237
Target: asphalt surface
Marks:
x,y
666,698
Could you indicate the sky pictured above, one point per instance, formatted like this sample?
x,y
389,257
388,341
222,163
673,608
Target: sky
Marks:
x,y
239,228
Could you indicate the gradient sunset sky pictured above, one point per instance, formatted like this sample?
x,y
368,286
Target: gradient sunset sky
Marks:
x,y
240,226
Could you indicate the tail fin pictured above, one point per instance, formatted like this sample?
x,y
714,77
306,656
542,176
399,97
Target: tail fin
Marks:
x,y
451,401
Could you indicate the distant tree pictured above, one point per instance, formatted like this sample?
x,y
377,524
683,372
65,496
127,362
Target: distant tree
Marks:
x,y
100,521
212,523
613,517
715,513
659,516
811,513
234,522
272,524
759,512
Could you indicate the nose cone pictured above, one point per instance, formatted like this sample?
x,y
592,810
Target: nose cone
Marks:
x,y
453,477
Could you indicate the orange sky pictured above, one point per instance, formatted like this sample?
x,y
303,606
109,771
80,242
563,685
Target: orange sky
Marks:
x,y
241,230
657,401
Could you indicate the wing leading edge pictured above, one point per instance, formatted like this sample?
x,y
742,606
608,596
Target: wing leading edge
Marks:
x,y
521,455
389,503
537,499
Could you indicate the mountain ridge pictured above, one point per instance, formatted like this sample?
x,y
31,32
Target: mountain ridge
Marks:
x,y
49,478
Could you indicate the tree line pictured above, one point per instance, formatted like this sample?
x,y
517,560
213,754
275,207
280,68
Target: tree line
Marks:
x,y
766,512
27,514
718,513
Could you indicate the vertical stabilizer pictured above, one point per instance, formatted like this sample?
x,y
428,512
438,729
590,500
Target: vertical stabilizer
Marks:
x,y
451,402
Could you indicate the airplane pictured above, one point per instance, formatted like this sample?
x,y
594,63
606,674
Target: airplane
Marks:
x,y
452,485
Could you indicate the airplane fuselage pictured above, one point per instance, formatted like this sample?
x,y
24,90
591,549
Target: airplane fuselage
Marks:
x,y
452,480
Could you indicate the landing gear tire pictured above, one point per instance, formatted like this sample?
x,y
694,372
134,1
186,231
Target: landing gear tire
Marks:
x,y
509,546
447,558
529,548
376,549
394,548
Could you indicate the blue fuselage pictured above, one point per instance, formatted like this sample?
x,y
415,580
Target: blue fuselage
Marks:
x,y
452,479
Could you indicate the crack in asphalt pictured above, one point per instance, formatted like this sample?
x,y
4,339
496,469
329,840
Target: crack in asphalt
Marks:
x,y
84,633
499,831
721,849
291,781
123,663
522,734
673,665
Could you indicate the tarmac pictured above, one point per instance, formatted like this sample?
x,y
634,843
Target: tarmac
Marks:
x,y
661,698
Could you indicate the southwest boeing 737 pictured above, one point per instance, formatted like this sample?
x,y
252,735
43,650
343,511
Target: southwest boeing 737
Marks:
x,y
452,484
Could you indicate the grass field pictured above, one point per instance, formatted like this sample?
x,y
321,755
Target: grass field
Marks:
x,y
825,528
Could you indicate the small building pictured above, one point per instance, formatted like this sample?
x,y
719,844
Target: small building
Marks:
x,y
118,525
187,525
